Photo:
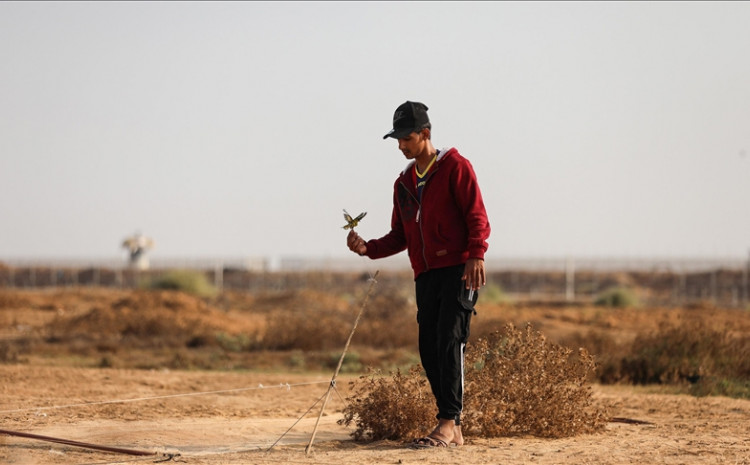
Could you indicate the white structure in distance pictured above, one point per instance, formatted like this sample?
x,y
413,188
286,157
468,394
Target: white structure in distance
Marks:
x,y
137,246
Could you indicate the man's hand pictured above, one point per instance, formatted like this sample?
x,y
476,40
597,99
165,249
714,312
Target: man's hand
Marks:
x,y
355,243
474,277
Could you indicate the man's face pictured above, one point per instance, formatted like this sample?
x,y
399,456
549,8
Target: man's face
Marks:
x,y
412,145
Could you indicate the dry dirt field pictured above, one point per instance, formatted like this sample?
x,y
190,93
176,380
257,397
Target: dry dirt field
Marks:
x,y
65,388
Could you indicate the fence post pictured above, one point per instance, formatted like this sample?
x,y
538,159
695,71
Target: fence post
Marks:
x,y
745,271
219,276
570,280
713,287
682,288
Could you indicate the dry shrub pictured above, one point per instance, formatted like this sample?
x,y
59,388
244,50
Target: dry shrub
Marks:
x,y
187,281
141,319
320,331
606,351
312,320
305,320
619,296
390,321
12,299
714,361
517,383
8,353
389,408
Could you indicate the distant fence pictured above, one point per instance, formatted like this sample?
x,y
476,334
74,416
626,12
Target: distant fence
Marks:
x,y
722,282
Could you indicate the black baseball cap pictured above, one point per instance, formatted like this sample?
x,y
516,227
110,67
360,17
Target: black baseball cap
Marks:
x,y
409,117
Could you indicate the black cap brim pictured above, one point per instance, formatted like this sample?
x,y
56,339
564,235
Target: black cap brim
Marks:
x,y
398,134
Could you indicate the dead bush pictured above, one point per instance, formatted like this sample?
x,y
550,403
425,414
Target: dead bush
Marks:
x,y
519,383
389,408
8,353
606,351
390,323
295,330
713,361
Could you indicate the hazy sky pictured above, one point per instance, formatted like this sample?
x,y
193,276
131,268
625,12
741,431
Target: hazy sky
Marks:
x,y
242,129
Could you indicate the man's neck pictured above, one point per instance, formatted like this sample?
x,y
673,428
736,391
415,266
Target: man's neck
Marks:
x,y
425,157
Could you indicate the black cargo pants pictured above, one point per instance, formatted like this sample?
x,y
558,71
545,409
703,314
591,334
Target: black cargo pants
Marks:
x,y
444,315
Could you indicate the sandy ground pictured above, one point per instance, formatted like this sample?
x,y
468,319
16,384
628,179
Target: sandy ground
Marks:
x,y
227,418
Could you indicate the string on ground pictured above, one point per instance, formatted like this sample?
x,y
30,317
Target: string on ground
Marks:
x,y
287,386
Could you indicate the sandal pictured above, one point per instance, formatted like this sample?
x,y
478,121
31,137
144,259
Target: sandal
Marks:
x,y
428,442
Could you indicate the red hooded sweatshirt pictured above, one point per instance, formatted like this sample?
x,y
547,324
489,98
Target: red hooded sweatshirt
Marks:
x,y
447,227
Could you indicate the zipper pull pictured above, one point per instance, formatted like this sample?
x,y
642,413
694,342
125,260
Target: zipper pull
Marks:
x,y
419,211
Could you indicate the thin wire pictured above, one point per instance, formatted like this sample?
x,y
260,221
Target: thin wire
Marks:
x,y
115,462
168,396
295,423
340,396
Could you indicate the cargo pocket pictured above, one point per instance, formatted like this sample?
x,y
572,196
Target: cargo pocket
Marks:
x,y
468,299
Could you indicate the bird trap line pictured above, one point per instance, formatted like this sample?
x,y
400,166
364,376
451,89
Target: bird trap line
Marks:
x,y
286,386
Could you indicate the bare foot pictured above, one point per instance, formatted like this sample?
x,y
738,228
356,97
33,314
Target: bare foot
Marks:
x,y
458,437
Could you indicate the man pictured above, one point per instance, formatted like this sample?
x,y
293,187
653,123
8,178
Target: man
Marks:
x,y
439,217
